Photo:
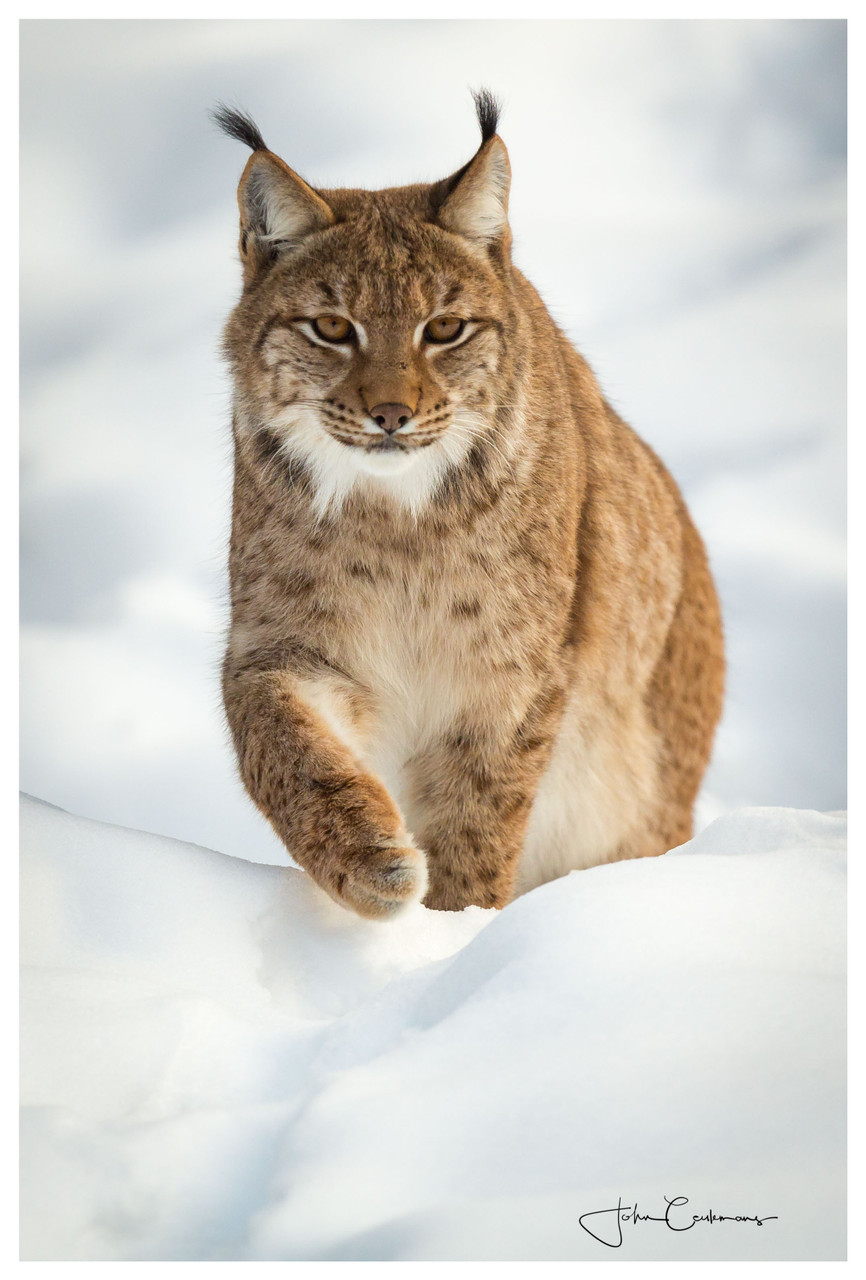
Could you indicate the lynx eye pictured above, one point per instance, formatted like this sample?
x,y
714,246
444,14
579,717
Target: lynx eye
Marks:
x,y
333,328
444,329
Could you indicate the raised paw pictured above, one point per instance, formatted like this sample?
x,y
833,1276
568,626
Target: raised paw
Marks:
x,y
379,882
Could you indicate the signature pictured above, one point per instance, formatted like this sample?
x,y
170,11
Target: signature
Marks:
x,y
606,1224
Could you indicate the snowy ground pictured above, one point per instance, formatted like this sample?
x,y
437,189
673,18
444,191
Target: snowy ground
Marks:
x,y
219,1063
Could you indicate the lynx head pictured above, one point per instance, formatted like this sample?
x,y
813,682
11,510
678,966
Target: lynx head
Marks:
x,y
369,344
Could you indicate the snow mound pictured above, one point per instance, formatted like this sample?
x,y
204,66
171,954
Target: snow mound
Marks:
x,y
220,1063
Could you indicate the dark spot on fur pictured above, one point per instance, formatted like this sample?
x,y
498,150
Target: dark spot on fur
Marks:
x,y
476,460
320,538
459,740
268,452
359,570
466,608
472,839
298,583
528,552
267,445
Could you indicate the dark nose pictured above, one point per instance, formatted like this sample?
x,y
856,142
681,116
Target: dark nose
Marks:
x,y
391,416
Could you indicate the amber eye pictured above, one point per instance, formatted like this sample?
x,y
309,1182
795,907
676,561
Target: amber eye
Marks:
x,y
444,329
333,328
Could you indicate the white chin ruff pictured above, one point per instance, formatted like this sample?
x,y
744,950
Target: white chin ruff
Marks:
x,y
409,479
386,464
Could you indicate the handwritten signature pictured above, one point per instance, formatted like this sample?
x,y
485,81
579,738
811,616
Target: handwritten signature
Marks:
x,y
606,1225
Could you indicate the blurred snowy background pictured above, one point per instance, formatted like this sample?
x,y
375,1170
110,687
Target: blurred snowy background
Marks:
x,y
678,199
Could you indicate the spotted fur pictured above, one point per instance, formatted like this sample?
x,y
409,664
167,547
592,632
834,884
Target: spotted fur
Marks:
x,y
470,656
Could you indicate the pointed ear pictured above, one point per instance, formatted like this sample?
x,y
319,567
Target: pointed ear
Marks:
x,y
477,204
278,209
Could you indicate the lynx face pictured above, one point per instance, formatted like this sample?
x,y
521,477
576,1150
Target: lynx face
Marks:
x,y
370,337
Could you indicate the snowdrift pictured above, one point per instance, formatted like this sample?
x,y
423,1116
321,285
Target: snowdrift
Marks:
x,y
219,1063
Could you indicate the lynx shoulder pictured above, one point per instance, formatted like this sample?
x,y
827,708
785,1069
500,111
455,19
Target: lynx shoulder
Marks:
x,y
474,638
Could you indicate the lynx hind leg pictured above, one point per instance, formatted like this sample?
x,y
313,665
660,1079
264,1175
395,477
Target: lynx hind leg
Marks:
x,y
686,694
683,705
597,797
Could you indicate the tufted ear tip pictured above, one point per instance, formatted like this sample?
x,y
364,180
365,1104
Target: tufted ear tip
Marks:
x,y
277,208
238,124
488,110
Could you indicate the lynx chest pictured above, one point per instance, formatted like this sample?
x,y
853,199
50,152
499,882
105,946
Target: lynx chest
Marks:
x,y
434,647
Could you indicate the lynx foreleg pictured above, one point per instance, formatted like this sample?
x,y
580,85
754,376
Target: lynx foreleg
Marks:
x,y
335,818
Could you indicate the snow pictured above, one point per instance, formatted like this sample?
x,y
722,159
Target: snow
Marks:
x,y
220,1063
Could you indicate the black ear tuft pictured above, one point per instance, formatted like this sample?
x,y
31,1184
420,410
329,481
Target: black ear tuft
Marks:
x,y
488,110
237,124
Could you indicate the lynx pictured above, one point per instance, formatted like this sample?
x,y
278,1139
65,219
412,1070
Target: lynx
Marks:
x,y
474,639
